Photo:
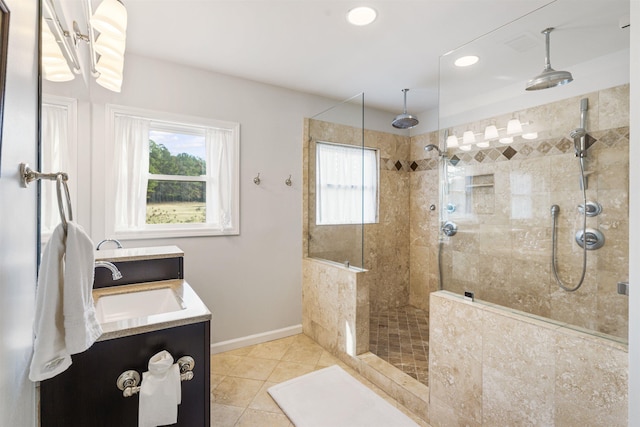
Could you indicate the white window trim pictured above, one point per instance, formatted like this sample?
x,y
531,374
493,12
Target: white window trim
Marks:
x,y
71,105
158,231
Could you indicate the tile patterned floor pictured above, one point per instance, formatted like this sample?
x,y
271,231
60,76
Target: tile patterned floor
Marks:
x,y
240,379
400,336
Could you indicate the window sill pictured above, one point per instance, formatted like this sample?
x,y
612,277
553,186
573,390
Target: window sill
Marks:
x,y
173,233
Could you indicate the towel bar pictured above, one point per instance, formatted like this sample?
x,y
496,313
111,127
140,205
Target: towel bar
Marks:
x,y
28,175
128,380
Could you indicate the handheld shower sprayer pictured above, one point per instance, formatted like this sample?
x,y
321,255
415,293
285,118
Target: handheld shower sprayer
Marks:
x,y
578,135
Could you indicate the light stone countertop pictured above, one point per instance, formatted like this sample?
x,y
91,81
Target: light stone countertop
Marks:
x,y
194,311
137,254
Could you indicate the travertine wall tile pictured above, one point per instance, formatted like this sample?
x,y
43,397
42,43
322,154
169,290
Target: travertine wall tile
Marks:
x,y
455,357
526,371
510,223
518,372
591,382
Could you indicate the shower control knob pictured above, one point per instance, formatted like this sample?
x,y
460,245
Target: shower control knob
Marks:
x,y
594,239
449,228
593,209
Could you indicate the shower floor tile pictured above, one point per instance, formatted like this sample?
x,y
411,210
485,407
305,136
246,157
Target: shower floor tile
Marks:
x,y
400,336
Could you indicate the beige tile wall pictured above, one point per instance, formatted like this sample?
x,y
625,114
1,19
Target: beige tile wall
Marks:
x,y
335,306
502,251
385,251
491,367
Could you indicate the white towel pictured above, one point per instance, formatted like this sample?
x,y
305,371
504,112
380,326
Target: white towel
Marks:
x,y
81,329
160,392
65,321
50,355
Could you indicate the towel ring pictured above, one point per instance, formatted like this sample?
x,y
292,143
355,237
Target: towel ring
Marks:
x,y
60,184
29,175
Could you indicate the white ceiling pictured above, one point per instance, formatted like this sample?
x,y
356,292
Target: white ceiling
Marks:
x,y
307,45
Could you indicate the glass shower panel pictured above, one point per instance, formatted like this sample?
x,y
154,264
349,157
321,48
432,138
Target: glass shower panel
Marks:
x,y
511,156
337,174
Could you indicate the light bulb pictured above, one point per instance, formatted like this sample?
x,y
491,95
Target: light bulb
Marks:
x,y
452,141
490,132
110,17
514,127
468,137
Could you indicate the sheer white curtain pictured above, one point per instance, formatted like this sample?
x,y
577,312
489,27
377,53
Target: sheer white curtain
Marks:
x,y
55,157
346,184
221,188
131,158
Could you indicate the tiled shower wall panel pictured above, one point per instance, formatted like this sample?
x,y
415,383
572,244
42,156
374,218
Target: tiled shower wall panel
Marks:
x,y
386,252
492,367
502,250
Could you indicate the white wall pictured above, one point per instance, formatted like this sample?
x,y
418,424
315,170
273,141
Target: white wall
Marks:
x,y
18,218
251,282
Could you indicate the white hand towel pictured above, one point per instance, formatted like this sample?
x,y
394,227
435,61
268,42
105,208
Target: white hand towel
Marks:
x,y
160,392
81,329
65,321
50,355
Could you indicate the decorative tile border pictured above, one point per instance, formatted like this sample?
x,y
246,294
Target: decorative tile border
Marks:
x,y
519,150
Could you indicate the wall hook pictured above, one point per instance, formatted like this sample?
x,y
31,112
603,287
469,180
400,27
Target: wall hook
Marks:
x,y
256,180
288,181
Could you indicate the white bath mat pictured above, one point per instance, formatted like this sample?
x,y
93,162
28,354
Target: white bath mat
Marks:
x,y
331,397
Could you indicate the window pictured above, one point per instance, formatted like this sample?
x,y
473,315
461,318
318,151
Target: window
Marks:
x,y
346,184
174,176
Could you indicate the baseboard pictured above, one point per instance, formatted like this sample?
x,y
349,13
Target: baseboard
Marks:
x,y
221,347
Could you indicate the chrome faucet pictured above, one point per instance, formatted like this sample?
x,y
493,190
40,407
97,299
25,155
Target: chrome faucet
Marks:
x,y
117,242
115,273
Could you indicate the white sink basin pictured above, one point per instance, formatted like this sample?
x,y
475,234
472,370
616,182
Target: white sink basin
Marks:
x,y
130,305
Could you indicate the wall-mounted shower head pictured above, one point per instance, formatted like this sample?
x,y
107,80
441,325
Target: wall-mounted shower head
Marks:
x,y
432,147
405,120
549,77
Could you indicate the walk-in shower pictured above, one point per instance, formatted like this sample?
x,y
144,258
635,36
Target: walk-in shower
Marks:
x,y
530,208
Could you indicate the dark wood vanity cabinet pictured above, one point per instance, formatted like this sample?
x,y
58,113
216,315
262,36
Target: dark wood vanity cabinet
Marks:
x,y
86,394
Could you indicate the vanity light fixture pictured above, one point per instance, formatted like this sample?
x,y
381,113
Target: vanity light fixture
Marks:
x,y
514,127
106,53
466,61
452,141
54,64
468,137
484,144
465,147
530,135
490,133
506,140
360,16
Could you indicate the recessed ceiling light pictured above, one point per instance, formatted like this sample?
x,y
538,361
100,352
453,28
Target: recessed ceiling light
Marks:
x,y
362,15
465,61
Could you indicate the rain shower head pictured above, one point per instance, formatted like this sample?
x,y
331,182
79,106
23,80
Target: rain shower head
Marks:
x,y
405,120
549,77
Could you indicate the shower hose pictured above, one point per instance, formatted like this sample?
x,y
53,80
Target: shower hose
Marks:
x,y
554,255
